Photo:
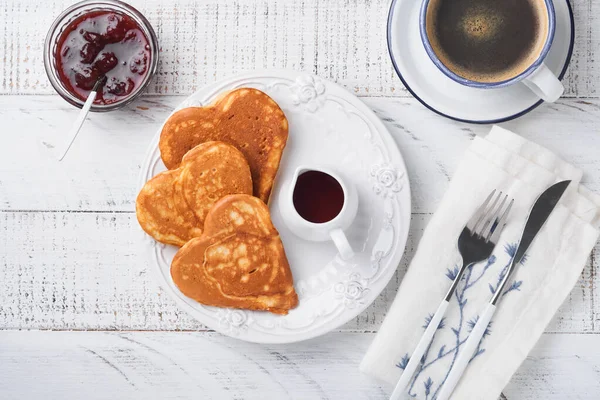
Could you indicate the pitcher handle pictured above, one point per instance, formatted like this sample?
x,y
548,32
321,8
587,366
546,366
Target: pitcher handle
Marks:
x,y
341,242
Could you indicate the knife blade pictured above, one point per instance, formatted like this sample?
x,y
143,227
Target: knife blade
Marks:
x,y
541,210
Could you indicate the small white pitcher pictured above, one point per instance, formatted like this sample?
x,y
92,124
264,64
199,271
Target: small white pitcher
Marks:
x,y
320,232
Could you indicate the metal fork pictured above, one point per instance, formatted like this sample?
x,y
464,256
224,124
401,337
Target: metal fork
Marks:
x,y
475,243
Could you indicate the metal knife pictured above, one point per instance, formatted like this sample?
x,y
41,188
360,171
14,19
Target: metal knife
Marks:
x,y
540,212
538,216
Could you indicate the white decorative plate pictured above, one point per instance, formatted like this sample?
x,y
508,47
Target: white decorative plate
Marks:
x,y
328,126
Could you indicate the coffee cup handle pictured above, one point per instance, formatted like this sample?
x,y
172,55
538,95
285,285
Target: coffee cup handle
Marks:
x,y
545,84
342,244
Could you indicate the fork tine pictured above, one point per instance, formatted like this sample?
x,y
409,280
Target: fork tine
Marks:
x,y
492,216
482,218
480,212
494,235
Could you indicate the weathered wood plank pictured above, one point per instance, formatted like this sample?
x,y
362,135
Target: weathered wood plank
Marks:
x,y
100,365
582,77
100,172
69,257
594,287
553,370
85,271
205,41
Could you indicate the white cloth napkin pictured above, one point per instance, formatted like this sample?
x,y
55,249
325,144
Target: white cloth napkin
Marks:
x,y
507,162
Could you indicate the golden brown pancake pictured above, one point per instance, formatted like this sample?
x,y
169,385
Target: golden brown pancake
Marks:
x,y
172,206
239,261
246,118
209,172
159,217
179,200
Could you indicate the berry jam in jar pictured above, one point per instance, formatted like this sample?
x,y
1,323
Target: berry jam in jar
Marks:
x,y
103,43
107,41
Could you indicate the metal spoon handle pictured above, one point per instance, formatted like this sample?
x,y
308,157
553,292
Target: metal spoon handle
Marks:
x,y
77,124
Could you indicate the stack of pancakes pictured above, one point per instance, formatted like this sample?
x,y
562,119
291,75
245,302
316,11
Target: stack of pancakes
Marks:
x,y
222,162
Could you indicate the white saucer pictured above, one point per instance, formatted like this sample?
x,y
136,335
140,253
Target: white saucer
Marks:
x,y
328,126
448,98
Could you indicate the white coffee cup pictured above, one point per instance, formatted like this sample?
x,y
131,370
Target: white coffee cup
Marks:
x,y
537,76
319,232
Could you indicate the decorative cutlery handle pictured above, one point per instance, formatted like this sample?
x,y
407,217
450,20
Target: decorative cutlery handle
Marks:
x,y
466,353
415,358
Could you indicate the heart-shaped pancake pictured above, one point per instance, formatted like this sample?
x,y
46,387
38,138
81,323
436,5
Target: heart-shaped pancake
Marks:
x,y
172,206
245,118
159,217
239,261
209,172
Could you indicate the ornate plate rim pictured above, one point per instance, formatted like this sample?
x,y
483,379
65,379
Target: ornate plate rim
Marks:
x,y
394,259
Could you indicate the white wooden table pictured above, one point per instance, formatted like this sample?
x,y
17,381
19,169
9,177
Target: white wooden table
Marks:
x,y
80,313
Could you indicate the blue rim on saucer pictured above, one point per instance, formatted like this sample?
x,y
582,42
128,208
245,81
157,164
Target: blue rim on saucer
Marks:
x,y
488,85
492,121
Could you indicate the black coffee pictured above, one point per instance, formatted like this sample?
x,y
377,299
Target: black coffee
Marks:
x,y
487,40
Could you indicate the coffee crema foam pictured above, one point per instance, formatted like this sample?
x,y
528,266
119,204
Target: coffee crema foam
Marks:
x,y
487,41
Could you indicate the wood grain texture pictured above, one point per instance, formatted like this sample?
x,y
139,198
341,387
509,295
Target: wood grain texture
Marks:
x,y
138,365
201,42
100,172
85,271
69,254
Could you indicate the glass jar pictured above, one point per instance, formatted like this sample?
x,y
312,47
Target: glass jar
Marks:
x,y
78,10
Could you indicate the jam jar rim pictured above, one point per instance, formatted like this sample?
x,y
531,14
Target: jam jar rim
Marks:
x,y
81,8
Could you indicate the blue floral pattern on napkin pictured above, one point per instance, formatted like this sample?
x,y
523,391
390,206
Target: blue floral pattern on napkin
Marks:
x,y
423,384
